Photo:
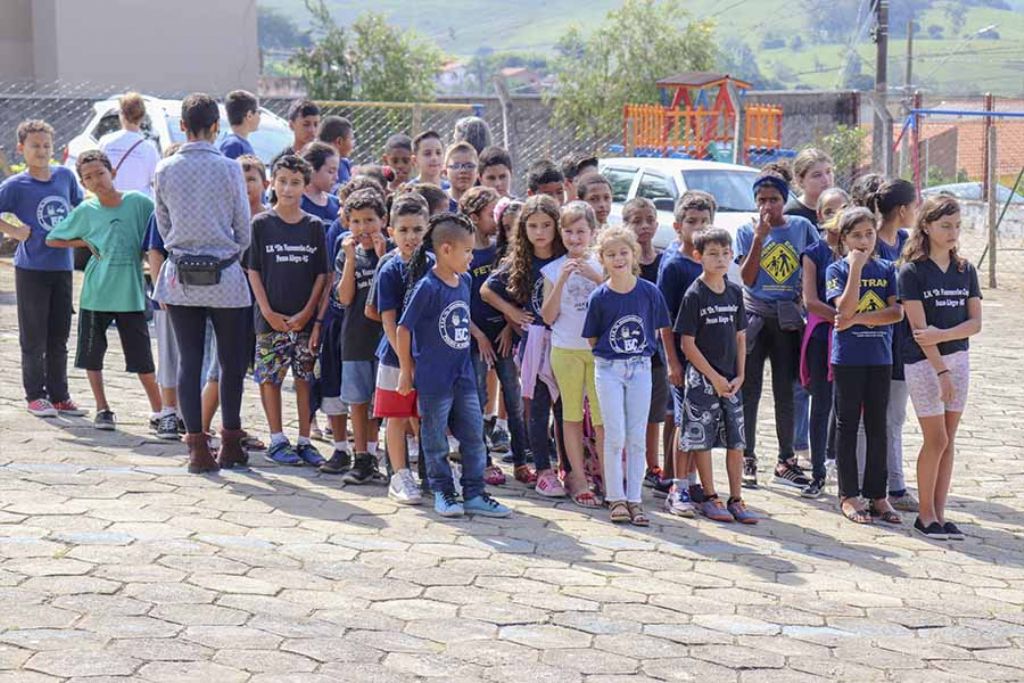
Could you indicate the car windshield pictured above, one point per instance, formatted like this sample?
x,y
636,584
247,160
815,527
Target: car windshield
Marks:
x,y
268,141
730,188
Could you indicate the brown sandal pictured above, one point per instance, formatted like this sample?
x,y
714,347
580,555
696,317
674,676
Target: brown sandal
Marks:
x,y
853,514
636,514
889,516
619,513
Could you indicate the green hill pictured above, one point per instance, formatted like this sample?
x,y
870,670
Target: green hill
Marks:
x,y
944,63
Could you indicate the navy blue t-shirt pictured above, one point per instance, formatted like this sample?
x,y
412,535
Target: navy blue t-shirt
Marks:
x,y
234,146
388,290
821,256
625,325
778,275
901,330
676,274
41,205
328,213
944,297
437,316
486,317
860,344
153,241
499,285
892,252
344,170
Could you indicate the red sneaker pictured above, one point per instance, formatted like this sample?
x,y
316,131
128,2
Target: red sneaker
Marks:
x,y
69,407
42,408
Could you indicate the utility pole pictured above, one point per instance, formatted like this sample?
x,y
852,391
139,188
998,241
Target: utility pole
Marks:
x,y
881,36
908,93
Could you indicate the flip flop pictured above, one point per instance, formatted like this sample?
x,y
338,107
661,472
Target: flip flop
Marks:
x,y
586,499
854,515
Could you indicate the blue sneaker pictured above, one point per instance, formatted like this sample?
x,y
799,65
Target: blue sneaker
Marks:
x,y
447,505
485,506
308,453
283,454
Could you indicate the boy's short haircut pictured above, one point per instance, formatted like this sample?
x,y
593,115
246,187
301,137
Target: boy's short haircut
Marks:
x,y
589,182
541,173
296,164
573,164
694,200
494,156
434,195
382,174
409,204
334,127
475,199
238,104
90,156
199,113
360,182
635,204
462,147
133,107
302,108
425,135
26,128
317,153
781,168
251,162
398,141
366,199
712,235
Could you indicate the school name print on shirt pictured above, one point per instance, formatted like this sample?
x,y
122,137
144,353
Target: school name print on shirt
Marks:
x,y
723,314
780,261
453,324
51,211
954,298
627,335
291,253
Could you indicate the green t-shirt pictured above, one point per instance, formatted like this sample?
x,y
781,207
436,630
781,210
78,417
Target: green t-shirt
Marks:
x,y
113,282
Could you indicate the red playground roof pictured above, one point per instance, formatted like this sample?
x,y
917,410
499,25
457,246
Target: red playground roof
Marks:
x,y
700,79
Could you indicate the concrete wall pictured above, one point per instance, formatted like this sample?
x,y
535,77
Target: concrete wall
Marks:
x,y
809,115
16,58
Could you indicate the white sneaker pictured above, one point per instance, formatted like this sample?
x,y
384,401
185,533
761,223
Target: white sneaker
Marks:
x,y
679,504
404,489
412,446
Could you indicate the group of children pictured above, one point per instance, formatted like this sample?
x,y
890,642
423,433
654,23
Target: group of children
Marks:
x,y
427,303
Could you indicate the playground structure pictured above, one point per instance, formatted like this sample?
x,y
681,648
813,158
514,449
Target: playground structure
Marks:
x,y
697,119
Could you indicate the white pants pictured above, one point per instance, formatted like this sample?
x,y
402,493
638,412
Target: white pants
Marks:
x,y
624,392
895,416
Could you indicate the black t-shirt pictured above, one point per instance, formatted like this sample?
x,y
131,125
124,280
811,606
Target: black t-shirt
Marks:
x,y
795,207
713,320
359,334
288,257
649,272
944,296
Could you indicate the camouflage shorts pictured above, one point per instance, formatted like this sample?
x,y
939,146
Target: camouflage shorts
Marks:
x,y
278,351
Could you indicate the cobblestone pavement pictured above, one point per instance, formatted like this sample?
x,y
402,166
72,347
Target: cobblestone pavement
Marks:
x,y
116,565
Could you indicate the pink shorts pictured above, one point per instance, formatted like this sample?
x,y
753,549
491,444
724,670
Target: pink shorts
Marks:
x,y
925,391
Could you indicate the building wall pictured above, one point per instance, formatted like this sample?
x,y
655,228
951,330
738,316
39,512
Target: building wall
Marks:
x,y
16,58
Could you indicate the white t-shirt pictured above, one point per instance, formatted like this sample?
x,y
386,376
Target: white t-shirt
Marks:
x,y
136,173
567,331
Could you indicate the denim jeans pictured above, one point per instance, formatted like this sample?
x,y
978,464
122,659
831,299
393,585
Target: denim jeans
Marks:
x,y
822,446
624,389
801,417
460,410
44,324
508,379
895,416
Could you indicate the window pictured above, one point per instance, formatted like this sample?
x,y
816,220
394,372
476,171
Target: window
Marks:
x,y
731,189
110,123
654,186
621,179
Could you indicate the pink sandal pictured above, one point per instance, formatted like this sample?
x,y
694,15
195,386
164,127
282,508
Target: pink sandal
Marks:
x,y
493,476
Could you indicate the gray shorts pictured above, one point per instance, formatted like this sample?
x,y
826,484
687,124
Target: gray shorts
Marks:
x,y
166,350
659,395
709,420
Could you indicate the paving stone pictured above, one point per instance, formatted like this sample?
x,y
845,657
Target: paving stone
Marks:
x,y
200,615
129,627
53,639
234,637
590,661
82,663
639,646
173,672
35,616
545,637
331,650
451,630
415,609
13,657
265,661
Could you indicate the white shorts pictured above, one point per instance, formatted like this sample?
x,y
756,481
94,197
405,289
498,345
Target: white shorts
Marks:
x,y
166,349
925,390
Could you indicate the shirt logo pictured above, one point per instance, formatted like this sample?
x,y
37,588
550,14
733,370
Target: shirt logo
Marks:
x,y
453,325
51,211
779,260
537,297
627,335
870,302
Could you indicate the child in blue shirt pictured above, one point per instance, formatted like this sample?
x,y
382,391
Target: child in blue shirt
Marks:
x,y
625,315
863,290
319,198
337,132
433,340
243,110
41,197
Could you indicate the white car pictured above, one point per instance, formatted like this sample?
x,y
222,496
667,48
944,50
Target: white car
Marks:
x,y
162,124
665,180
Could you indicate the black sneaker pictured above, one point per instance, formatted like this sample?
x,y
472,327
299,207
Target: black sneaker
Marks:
x,y
167,427
934,531
789,473
364,469
105,420
339,463
815,489
749,473
953,532
662,487
696,494
652,477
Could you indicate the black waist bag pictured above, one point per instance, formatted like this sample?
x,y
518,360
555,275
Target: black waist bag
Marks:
x,y
200,271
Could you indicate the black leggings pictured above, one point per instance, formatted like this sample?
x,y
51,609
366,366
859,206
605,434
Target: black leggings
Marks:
x,y
862,389
231,330
782,348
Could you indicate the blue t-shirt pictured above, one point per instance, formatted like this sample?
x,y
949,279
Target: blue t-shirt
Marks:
x,y
675,275
344,170
437,316
778,278
860,344
625,325
390,287
328,213
484,316
153,241
901,329
943,295
41,205
892,252
821,255
234,146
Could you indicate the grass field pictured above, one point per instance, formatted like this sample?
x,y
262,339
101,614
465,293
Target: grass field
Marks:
x,y
953,65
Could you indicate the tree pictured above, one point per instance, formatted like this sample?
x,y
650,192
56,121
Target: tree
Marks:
x,y
846,147
277,31
371,61
636,45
